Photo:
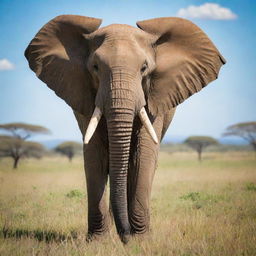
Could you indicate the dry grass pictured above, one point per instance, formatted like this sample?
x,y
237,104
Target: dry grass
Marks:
x,y
197,209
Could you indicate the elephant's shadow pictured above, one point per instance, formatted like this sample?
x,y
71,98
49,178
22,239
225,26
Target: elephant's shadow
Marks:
x,y
38,234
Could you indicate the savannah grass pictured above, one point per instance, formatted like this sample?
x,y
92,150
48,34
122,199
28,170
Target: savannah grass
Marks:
x,y
206,208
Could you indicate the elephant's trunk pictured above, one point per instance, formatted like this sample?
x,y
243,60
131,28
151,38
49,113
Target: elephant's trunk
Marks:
x,y
120,111
119,132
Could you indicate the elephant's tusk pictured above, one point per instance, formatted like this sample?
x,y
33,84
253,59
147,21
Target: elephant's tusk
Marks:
x,y
145,120
92,125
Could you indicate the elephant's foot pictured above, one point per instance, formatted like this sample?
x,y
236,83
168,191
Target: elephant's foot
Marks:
x,y
124,237
92,236
97,228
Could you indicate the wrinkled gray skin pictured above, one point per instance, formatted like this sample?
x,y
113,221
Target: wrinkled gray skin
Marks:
x,y
120,69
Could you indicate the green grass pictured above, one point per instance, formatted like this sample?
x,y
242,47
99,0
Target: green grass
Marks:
x,y
205,208
75,193
251,186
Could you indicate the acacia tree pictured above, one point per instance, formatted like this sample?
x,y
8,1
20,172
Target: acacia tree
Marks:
x,y
69,149
199,143
17,148
23,131
247,131
14,144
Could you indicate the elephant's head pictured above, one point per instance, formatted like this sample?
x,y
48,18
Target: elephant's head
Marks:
x,y
118,70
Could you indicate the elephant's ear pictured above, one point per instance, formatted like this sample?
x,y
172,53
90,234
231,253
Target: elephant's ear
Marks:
x,y
57,54
186,61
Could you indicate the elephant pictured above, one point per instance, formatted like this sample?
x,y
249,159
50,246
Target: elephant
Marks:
x,y
123,84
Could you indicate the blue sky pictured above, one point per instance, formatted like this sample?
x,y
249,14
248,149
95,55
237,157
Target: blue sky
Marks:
x,y
228,100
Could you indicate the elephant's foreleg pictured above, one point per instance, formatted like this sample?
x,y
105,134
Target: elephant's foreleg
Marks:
x,y
96,170
141,173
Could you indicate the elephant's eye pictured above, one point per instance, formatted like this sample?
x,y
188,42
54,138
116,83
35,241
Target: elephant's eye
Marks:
x,y
144,67
95,67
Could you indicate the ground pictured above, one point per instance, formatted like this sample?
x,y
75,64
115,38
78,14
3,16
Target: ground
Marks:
x,y
197,208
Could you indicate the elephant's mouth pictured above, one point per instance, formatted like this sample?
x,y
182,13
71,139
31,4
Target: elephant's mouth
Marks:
x,y
96,116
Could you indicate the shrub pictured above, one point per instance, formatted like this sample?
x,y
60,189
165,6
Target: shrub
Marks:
x,y
251,186
75,193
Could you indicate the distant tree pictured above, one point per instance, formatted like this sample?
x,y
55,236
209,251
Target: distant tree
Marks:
x,y
247,131
69,149
23,131
17,148
14,144
199,143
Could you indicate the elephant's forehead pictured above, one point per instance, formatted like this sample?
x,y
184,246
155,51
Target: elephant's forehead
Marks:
x,y
121,30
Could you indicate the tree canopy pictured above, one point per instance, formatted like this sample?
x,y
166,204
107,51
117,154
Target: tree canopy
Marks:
x,y
22,130
246,130
15,143
69,149
199,143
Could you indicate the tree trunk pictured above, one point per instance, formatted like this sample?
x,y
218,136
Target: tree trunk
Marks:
x,y
199,155
15,162
254,146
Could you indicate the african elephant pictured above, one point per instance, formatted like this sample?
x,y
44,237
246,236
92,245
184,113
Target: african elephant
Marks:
x,y
123,84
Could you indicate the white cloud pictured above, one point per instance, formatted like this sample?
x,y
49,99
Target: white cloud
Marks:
x,y
6,65
208,11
